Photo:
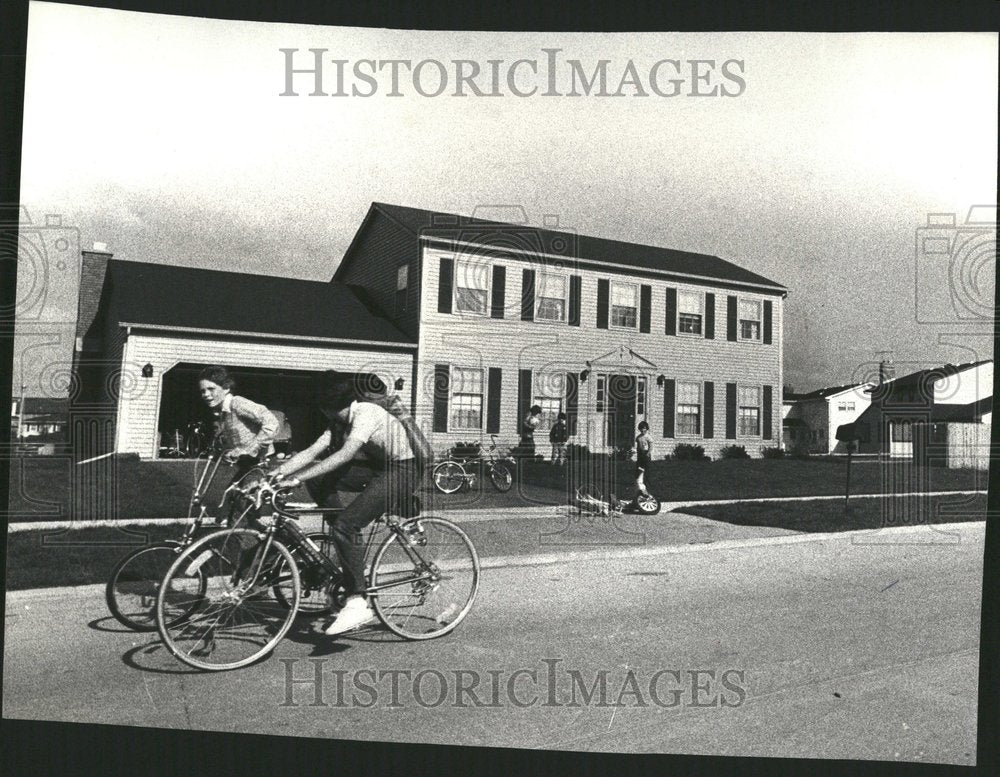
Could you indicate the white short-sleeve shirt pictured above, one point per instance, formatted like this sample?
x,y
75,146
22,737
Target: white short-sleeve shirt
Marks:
x,y
382,436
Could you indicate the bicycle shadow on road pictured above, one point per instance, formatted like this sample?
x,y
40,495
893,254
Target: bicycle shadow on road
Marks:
x,y
154,657
104,624
311,633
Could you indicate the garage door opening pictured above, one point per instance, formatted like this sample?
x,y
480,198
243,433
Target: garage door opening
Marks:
x,y
287,391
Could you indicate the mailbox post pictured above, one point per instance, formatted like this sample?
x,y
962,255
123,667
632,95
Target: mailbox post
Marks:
x,y
848,433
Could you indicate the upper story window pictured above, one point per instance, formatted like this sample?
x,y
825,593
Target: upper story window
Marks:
x,y
623,304
750,314
690,312
472,286
550,298
845,406
402,284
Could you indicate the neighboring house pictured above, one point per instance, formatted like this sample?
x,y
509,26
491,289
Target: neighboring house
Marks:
x,y
42,417
952,393
478,321
794,432
813,418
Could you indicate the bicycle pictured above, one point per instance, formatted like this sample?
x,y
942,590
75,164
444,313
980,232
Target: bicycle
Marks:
x,y
422,582
455,472
589,498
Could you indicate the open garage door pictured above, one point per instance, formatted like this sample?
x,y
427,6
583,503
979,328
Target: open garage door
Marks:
x,y
288,391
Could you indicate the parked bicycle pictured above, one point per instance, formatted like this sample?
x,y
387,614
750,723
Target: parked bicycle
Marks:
x,y
590,499
465,463
229,598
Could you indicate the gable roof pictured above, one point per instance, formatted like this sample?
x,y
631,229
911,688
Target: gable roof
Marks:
x,y
195,298
932,374
503,236
45,406
829,391
973,411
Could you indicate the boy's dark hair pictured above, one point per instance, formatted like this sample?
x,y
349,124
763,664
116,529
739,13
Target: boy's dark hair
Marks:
x,y
561,417
218,375
536,410
334,390
643,426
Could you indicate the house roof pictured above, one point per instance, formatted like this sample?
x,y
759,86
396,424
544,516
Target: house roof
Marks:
x,y
613,253
934,373
195,298
829,391
46,406
973,411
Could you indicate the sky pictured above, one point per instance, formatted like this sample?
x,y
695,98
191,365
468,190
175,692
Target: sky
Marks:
x,y
167,139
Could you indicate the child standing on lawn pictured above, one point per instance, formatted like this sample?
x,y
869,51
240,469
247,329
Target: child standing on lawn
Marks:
x,y
558,436
643,458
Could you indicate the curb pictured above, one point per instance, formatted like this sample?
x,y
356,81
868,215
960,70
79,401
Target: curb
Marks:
x,y
951,530
476,514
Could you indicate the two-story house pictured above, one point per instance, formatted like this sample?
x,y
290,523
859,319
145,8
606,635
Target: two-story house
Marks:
x,y
813,417
472,321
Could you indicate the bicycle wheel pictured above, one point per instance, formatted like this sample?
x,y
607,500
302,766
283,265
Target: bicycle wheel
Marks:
x,y
321,595
236,619
135,582
501,477
449,476
647,505
424,579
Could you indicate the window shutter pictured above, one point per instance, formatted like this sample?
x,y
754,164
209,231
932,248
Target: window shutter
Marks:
x,y
708,427
731,409
523,396
709,316
572,388
766,432
575,283
731,318
767,322
670,319
603,294
528,295
493,400
668,407
645,305
499,293
446,279
442,377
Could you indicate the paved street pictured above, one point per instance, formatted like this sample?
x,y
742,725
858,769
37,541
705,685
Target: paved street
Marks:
x,y
859,646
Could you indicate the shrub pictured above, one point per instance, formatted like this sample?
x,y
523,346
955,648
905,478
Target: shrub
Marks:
x,y
734,452
800,450
624,453
687,452
773,453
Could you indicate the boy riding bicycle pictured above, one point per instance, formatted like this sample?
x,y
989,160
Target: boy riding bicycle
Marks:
x,y
388,474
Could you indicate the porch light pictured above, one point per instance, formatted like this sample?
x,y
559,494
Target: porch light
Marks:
x,y
147,370
584,375
398,384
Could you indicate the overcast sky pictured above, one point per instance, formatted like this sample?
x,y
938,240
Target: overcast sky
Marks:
x,y
166,138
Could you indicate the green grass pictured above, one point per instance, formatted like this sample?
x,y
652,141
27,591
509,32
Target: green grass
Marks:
x,y
827,515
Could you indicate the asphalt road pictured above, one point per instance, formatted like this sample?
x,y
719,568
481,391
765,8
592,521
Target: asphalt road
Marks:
x,y
832,648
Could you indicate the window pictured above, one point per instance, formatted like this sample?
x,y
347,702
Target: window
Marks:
x,y
688,408
749,411
640,396
847,407
402,283
901,431
601,390
749,319
623,304
689,312
472,287
550,298
549,390
466,398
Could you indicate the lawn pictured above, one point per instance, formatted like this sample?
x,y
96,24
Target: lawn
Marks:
x,y
827,515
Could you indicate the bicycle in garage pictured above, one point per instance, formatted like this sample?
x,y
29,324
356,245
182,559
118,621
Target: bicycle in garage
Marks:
x,y
229,598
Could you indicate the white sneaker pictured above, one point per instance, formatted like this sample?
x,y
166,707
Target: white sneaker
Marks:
x,y
356,612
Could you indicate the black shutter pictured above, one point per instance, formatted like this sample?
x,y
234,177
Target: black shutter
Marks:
x,y
670,317
731,318
499,292
709,316
442,377
668,407
574,300
572,388
645,306
766,432
731,410
603,293
708,426
493,401
528,295
767,322
446,279
523,396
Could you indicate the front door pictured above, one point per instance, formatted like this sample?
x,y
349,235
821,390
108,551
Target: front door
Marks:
x,y
620,412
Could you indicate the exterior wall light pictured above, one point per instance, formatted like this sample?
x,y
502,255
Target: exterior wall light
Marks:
x,y
398,384
147,370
